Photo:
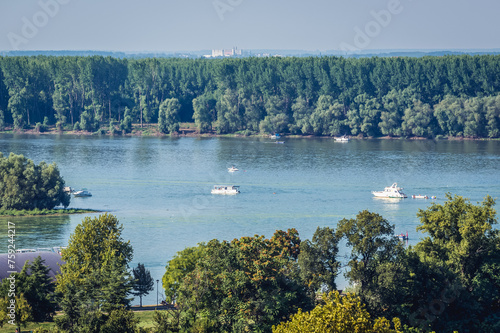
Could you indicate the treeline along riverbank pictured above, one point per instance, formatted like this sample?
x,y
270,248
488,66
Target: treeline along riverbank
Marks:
x,y
429,96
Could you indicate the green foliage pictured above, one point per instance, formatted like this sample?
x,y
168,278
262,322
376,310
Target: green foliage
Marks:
x,y
204,113
120,320
247,284
126,123
22,311
449,96
37,288
143,282
183,263
317,260
463,242
168,118
373,247
94,280
338,314
24,185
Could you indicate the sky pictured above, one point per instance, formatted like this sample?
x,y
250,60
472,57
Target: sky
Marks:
x,y
192,25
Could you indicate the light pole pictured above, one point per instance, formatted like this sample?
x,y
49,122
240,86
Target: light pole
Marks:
x,y
157,292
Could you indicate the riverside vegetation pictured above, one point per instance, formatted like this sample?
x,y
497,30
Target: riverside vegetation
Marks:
x,y
448,282
453,96
30,189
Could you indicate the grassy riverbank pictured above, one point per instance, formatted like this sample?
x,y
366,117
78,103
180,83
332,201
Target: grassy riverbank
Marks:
x,y
45,212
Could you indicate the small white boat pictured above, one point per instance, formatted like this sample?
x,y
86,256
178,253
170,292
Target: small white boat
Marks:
x,y
275,136
342,139
392,191
82,193
232,169
419,196
226,189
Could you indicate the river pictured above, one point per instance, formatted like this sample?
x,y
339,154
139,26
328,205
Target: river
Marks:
x,y
159,188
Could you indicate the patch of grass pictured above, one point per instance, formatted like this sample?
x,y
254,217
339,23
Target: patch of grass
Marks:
x,y
38,212
145,321
7,328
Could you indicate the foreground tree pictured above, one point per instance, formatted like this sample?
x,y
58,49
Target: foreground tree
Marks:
x,y
143,282
247,284
25,185
183,263
37,287
463,241
22,312
338,314
318,260
373,247
94,279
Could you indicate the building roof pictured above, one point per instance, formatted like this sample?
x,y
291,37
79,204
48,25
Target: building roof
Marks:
x,y
52,260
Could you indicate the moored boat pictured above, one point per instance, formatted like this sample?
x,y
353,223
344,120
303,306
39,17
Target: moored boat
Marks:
x,y
232,169
419,196
392,191
342,139
225,189
82,193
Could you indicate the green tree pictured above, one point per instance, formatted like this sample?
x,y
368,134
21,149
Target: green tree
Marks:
x,y
204,109
168,118
418,120
301,113
277,119
143,282
22,311
94,279
338,314
37,287
318,260
183,263
462,239
126,123
373,244
24,185
247,284
492,116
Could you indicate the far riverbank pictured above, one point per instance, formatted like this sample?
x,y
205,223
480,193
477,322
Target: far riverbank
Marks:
x,y
189,130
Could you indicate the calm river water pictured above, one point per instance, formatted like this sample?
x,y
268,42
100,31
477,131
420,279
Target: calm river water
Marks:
x,y
159,188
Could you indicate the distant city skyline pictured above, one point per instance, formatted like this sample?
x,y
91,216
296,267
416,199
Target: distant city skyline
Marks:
x,y
167,26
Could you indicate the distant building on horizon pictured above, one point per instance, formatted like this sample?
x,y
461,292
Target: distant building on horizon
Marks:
x,y
225,52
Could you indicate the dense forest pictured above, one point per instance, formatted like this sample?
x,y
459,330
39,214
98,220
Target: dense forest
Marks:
x,y
402,96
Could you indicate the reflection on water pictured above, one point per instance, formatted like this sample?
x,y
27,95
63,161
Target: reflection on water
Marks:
x,y
390,203
36,232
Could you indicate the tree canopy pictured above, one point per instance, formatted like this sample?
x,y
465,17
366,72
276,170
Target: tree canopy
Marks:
x,y
25,185
94,280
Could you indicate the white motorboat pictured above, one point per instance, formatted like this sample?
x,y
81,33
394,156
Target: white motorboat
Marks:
x,y
342,139
82,193
392,191
232,169
226,189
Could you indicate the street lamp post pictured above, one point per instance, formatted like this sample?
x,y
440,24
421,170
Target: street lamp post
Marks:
x,y
157,292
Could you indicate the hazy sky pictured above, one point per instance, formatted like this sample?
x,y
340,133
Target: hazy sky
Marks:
x,y
189,25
